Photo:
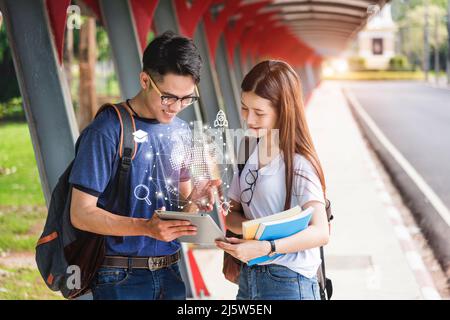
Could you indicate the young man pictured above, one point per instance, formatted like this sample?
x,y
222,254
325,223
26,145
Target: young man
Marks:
x,y
141,249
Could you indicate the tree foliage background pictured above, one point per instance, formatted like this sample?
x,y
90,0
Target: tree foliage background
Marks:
x,y
8,80
410,18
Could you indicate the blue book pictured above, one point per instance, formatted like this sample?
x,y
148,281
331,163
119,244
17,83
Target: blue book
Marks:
x,y
273,230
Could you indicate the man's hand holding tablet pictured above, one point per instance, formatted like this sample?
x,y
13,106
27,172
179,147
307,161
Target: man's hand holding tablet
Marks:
x,y
169,230
207,230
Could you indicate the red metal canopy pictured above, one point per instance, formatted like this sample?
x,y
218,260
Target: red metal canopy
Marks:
x,y
285,29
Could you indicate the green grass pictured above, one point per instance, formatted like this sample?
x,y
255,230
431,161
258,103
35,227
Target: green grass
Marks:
x,y
19,177
24,284
22,205
20,227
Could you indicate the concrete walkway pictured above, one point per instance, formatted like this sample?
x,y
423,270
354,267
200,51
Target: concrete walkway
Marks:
x,y
364,258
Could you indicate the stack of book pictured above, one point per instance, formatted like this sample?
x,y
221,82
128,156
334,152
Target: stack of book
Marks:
x,y
276,226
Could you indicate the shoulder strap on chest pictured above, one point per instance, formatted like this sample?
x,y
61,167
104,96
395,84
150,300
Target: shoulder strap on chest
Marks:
x,y
246,148
127,146
127,151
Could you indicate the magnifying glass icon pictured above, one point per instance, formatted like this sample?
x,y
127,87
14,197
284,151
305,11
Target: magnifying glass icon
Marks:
x,y
141,192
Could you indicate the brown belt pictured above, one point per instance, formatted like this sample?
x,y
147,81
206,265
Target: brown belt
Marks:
x,y
151,263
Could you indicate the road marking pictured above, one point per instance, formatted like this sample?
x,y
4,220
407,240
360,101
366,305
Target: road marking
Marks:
x,y
433,198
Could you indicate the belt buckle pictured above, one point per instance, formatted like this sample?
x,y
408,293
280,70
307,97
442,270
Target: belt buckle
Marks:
x,y
154,263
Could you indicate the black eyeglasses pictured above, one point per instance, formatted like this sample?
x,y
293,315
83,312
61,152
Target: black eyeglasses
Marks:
x,y
250,179
167,100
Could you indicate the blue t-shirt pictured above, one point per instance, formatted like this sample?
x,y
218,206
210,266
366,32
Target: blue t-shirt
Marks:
x,y
158,167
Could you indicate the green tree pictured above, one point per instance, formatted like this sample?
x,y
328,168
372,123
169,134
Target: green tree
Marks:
x,y
8,80
410,18
401,7
103,48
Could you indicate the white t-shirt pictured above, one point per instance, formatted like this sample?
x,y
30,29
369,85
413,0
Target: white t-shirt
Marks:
x,y
269,195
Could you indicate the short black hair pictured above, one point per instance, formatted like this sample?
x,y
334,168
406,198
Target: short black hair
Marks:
x,y
172,53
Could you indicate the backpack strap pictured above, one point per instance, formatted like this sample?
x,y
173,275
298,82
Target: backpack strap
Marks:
x,y
127,151
127,146
246,148
329,214
325,284
328,210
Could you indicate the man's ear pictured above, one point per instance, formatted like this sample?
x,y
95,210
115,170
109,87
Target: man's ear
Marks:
x,y
143,79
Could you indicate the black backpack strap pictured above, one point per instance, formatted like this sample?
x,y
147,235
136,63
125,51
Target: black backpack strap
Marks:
x,y
246,148
325,284
328,210
127,145
127,151
127,148
321,277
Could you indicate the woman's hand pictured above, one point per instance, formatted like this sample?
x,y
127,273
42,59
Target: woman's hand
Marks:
x,y
245,250
203,194
235,217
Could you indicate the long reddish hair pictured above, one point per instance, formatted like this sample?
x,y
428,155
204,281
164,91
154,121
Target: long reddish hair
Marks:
x,y
277,82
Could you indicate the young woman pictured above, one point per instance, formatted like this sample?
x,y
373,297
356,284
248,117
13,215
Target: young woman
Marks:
x,y
276,177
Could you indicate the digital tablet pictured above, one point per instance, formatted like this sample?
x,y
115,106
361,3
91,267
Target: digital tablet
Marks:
x,y
207,229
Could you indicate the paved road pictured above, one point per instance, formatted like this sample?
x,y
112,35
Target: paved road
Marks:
x,y
416,119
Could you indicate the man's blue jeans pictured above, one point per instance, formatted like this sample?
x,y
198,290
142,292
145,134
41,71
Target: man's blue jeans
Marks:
x,y
139,284
275,282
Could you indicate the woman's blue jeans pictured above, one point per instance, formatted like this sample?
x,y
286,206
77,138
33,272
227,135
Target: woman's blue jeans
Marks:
x,y
275,282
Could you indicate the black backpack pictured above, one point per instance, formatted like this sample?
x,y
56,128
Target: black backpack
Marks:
x,y
325,284
68,258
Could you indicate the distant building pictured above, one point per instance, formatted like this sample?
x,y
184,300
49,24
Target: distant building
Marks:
x,y
376,42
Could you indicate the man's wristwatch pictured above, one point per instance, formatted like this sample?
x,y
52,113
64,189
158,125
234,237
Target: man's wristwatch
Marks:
x,y
273,249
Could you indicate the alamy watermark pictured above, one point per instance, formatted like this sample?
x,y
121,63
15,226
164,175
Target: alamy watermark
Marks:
x,y
73,281
73,17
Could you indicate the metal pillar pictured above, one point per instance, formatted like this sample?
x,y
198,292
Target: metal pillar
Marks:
x,y
165,20
448,46
426,46
317,72
119,24
243,63
46,98
231,98
238,68
436,49
249,62
304,81
310,78
211,96
229,86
